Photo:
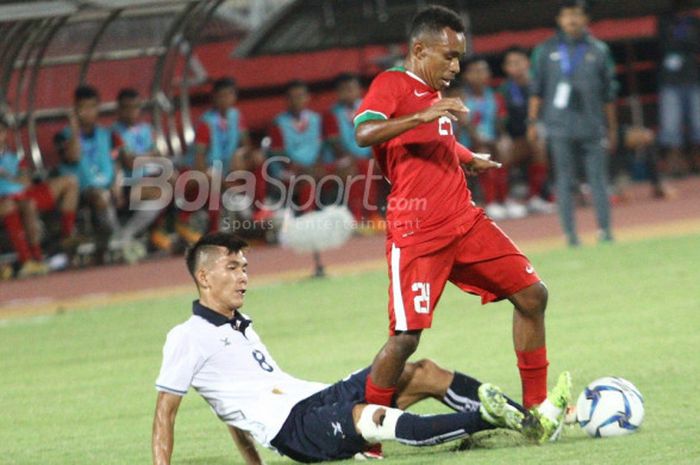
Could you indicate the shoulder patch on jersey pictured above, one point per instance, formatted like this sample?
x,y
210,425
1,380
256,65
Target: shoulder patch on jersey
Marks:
x,y
400,69
369,115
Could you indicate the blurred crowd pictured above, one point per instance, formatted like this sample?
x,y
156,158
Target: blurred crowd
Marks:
x,y
105,201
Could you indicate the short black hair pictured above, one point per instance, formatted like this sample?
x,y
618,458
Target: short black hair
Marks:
x,y
85,92
344,78
435,18
474,59
127,93
516,49
583,4
296,83
223,83
229,241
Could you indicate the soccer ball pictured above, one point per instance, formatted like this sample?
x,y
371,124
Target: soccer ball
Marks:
x,y
610,406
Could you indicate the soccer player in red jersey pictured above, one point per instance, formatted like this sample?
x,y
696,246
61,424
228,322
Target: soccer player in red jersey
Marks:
x,y
435,233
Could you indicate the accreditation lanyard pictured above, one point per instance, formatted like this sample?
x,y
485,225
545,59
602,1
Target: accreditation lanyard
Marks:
x,y
517,95
567,62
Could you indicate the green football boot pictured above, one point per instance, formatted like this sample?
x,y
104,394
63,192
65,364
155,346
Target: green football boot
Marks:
x,y
496,410
551,412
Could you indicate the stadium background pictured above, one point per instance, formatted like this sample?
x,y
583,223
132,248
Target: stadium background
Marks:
x,y
278,42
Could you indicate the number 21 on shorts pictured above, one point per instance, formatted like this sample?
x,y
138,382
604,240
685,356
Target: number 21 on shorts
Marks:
x,y
421,301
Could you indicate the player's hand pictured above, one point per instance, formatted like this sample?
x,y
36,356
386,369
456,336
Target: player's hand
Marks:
x,y
481,162
449,107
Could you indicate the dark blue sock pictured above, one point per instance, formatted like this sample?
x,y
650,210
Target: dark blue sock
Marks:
x,y
419,430
462,395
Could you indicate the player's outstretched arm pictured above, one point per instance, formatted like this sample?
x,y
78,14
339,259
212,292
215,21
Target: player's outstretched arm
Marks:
x,y
376,132
164,427
246,446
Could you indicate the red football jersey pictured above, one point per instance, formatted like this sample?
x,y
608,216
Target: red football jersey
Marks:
x,y
429,195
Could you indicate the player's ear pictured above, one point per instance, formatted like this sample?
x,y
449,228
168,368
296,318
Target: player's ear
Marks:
x,y
418,48
202,278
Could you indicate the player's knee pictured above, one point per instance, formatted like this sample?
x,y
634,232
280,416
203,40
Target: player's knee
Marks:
x,y
426,369
72,183
405,343
533,301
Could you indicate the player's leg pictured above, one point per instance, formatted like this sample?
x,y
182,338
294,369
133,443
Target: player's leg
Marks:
x,y
30,220
141,219
62,192
596,163
378,423
563,155
418,275
426,379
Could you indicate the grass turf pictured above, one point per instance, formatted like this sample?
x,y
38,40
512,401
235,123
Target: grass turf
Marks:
x,y
77,388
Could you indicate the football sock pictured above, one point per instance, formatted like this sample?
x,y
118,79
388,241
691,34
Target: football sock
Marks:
x,y
378,395
214,215
536,176
500,176
429,430
488,186
15,231
462,395
533,375
37,254
67,223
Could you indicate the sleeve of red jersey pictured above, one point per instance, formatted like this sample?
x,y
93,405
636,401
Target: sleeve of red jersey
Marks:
x,y
201,134
464,154
381,99
330,126
117,144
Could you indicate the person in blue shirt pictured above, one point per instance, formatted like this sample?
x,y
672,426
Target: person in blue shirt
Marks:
x,y
221,142
87,150
138,140
487,112
350,158
21,200
297,134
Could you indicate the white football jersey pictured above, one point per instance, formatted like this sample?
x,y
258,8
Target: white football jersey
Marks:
x,y
233,371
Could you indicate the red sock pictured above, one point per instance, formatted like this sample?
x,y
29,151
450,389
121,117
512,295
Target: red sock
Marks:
x,y
533,375
214,216
13,226
378,395
183,216
537,176
67,224
260,187
488,185
37,254
501,181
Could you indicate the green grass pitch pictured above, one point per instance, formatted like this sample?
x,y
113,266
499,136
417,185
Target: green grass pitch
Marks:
x,y
77,388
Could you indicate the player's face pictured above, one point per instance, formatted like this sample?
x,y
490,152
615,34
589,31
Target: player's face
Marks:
x,y
349,92
298,98
438,56
87,110
516,65
225,98
572,21
129,110
478,75
227,278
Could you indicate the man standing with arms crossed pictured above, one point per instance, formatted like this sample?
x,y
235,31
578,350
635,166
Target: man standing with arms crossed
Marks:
x,y
434,231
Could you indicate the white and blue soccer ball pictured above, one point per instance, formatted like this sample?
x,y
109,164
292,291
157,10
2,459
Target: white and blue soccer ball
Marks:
x,y
610,406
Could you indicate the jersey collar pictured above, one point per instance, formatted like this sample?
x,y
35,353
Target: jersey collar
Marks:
x,y
238,322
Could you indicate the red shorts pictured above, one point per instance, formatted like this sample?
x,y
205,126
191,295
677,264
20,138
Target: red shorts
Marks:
x,y
40,194
482,261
